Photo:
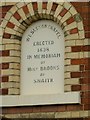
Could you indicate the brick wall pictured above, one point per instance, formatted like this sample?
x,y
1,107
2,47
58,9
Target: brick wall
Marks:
x,y
77,47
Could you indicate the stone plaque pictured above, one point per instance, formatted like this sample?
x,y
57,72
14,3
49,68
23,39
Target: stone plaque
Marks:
x,y
42,59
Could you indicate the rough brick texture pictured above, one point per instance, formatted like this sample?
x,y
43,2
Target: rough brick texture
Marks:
x,y
79,47
83,8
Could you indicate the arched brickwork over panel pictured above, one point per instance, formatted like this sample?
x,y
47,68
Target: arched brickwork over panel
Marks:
x,y
17,20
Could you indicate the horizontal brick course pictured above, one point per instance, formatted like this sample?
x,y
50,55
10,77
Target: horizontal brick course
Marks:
x,y
4,91
76,87
4,65
87,35
75,74
84,80
86,94
76,48
86,48
16,110
86,22
80,61
61,108
85,100
87,67
48,108
73,107
36,109
86,74
4,53
4,78
87,107
80,74
87,28
80,48
85,87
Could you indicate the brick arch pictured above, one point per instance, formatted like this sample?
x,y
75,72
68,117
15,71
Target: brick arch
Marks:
x,y
22,15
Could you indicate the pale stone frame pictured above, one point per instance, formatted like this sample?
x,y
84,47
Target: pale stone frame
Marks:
x,y
41,14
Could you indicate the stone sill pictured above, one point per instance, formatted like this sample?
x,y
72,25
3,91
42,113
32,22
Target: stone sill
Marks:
x,y
48,99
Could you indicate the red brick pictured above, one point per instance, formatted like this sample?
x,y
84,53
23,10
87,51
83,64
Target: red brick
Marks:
x,y
85,9
6,8
86,22
16,110
54,6
79,9
80,4
25,9
48,108
73,31
36,109
76,4
86,94
75,74
61,108
3,91
82,67
4,79
73,107
10,25
87,107
4,65
76,87
85,87
4,53
85,60
76,48
87,67
70,20
2,15
80,48
86,74
85,15
87,35
84,80
17,16
44,5
63,12
85,100
80,61
35,6
6,35
86,48
87,28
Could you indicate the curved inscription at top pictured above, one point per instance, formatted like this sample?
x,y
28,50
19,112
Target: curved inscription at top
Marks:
x,y
42,59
